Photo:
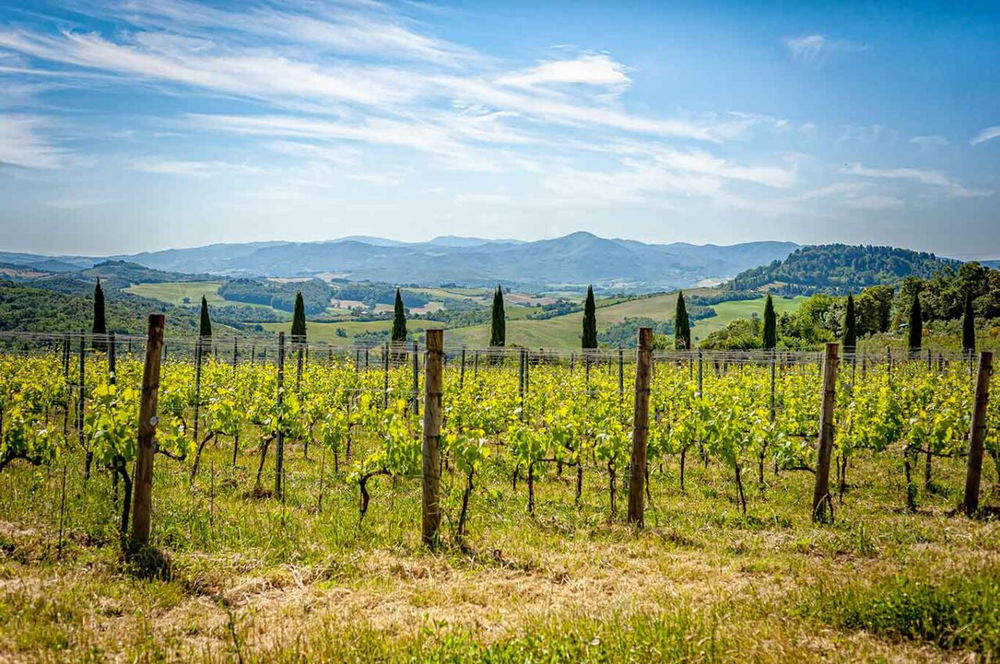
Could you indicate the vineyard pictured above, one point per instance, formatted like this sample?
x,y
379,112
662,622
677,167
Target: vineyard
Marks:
x,y
295,466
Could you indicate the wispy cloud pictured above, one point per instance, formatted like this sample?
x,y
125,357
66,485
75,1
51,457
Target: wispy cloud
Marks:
x,y
987,134
22,143
928,177
816,48
198,169
929,142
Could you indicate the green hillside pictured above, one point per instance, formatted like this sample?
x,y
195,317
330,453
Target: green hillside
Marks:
x,y
839,269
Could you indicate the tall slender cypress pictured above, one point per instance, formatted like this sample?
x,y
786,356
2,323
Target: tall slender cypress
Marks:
x,y
100,327
770,325
850,340
206,322
205,328
299,320
682,324
398,320
498,332
969,325
589,339
916,331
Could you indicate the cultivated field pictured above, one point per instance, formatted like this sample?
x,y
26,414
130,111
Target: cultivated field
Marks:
x,y
535,561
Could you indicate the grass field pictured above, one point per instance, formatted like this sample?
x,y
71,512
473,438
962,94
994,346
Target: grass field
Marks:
x,y
730,311
558,332
263,580
174,292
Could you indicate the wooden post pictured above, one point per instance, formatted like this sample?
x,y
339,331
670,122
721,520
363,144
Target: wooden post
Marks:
x,y
198,349
385,376
621,373
461,376
112,359
142,492
279,448
977,434
701,373
416,380
236,351
433,388
821,493
640,426
772,412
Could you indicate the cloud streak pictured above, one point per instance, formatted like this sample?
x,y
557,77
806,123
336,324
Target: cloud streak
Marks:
x,y
987,134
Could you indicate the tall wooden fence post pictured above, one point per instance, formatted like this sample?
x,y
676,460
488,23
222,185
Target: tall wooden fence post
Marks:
x,y
279,447
640,427
433,388
416,379
977,434
822,505
142,493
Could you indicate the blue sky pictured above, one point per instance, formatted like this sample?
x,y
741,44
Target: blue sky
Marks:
x,y
130,125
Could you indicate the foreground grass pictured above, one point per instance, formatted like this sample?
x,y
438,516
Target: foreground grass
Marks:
x,y
301,580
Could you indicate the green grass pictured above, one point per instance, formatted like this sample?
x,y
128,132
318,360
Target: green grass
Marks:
x,y
174,292
735,309
564,331
952,607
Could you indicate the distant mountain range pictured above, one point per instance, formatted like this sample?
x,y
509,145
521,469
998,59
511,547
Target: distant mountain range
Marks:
x,y
572,261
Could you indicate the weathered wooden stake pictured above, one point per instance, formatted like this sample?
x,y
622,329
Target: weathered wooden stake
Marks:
x,y
640,427
416,380
433,388
822,505
279,448
977,434
142,493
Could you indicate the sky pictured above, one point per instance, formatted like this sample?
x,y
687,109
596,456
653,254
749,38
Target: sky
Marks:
x,y
132,125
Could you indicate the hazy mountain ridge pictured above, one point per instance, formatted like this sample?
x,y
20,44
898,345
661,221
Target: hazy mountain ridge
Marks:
x,y
573,260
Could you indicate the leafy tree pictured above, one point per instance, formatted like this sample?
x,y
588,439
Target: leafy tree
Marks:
x,y
850,339
770,325
299,320
873,310
498,332
589,321
100,327
682,324
398,320
916,329
969,325
205,328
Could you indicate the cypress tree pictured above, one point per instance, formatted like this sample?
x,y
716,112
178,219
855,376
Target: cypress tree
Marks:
x,y
969,326
682,325
206,322
205,328
589,321
850,340
398,320
299,320
770,325
498,333
916,324
100,327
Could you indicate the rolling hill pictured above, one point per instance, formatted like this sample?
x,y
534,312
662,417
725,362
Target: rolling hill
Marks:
x,y
839,269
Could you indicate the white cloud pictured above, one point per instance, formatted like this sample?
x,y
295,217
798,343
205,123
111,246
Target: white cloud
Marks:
x,y
816,48
929,142
987,134
927,177
198,169
595,69
21,143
